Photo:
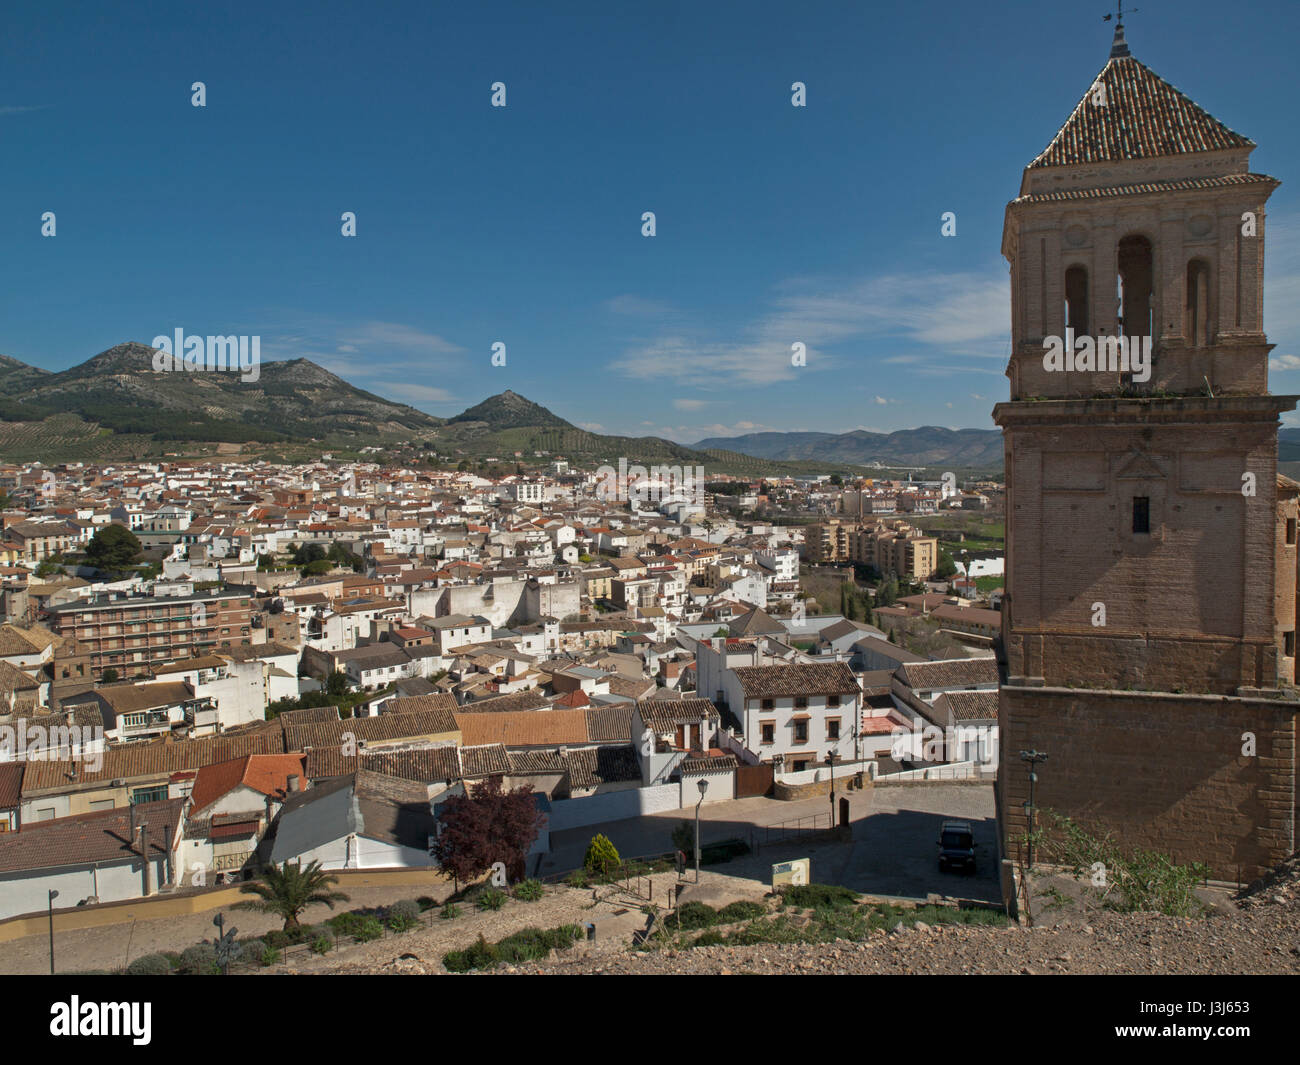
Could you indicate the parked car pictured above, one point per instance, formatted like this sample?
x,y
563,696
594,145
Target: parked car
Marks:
x,y
956,846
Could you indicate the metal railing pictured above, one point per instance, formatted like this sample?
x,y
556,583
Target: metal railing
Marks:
x,y
795,828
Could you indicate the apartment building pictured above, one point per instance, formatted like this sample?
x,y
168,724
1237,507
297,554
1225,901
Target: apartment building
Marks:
x,y
828,542
894,547
133,633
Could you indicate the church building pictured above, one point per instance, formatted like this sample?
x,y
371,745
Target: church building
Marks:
x,y
1149,625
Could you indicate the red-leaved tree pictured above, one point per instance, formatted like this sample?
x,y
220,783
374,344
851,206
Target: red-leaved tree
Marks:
x,y
487,826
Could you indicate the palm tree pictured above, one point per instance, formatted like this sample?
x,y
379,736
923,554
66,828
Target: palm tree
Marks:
x,y
288,890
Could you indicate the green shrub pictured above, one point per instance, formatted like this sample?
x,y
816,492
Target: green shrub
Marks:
x,y
410,907
482,955
271,956
403,915
345,924
528,944
173,959
602,856
490,899
252,951
578,879
711,938
277,938
367,929
723,852
299,933
322,945
199,960
529,890
691,915
740,911
818,896
449,912
149,965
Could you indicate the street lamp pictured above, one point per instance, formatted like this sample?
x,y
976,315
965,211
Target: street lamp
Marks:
x,y
53,895
830,761
1031,758
703,785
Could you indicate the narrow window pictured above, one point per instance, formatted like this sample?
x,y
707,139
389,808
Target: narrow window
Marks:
x,y
1197,332
1076,300
1136,274
1288,644
1141,514
1290,531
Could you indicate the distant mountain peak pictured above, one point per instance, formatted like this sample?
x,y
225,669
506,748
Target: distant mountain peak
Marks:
x,y
510,410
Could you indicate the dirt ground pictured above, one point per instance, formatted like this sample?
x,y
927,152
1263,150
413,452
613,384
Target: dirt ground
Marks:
x,y
113,946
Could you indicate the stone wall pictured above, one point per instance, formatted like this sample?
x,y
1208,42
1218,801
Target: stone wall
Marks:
x,y
1158,771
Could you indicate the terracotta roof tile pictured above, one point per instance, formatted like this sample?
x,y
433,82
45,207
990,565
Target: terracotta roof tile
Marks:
x,y
267,773
819,678
102,836
488,760
524,728
156,759
1144,117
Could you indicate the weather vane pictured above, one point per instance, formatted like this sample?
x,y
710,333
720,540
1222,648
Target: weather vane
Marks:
x,y
1118,16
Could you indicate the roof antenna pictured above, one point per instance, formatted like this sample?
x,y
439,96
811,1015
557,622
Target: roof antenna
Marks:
x,y
1119,47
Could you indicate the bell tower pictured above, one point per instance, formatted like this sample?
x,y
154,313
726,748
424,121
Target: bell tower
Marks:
x,y
1142,633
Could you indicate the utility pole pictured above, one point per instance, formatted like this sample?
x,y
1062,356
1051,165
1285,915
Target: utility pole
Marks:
x,y
53,895
1032,758
830,761
703,785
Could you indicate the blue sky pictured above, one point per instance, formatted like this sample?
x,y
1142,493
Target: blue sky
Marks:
x,y
522,224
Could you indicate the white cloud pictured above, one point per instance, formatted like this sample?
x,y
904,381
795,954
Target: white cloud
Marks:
x,y
690,404
882,400
591,427
387,335
412,393
1284,362
691,433
956,314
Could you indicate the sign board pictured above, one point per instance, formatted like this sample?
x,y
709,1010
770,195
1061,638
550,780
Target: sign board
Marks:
x,y
791,874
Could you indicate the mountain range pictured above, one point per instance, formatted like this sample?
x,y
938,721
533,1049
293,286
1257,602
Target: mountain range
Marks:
x,y
929,445
116,404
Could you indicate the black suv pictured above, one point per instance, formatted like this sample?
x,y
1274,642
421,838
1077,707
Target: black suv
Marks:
x,y
956,847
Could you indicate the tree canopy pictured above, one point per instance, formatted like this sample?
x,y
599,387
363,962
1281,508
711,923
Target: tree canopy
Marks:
x,y
289,889
113,548
487,826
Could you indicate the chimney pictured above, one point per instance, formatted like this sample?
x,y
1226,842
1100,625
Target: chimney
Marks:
x,y
293,783
144,852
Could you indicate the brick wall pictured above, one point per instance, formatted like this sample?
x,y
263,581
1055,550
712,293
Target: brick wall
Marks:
x,y
1158,771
